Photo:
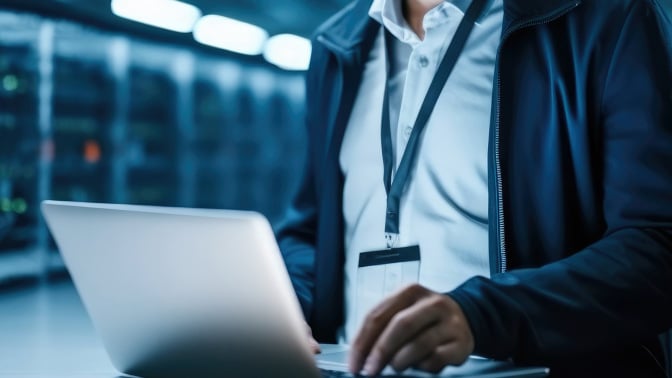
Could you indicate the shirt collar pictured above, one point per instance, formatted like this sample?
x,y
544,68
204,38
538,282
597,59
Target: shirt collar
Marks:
x,y
389,14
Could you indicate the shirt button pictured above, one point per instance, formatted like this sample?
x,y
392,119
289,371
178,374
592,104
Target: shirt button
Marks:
x,y
407,131
423,61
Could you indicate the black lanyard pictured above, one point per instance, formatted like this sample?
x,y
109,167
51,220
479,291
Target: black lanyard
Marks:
x,y
395,188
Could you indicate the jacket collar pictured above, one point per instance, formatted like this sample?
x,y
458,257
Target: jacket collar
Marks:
x,y
346,33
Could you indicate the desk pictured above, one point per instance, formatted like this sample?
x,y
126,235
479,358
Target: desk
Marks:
x,y
45,332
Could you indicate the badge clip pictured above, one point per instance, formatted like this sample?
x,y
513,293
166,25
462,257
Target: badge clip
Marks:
x,y
391,239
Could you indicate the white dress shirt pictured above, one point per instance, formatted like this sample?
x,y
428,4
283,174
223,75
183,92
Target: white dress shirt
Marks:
x,y
444,209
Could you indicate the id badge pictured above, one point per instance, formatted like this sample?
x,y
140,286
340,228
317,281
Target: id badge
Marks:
x,y
381,273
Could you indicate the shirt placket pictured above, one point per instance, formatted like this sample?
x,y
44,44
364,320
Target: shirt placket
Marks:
x,y
419,75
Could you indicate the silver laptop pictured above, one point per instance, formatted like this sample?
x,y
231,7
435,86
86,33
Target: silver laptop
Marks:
x,y
191,292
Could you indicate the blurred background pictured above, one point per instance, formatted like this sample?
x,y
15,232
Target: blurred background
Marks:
x,y
146,102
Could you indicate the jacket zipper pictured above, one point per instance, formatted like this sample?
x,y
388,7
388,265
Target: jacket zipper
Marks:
x,y
498,166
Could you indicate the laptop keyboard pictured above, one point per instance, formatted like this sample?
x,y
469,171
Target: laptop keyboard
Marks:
x,y
334,374
341,374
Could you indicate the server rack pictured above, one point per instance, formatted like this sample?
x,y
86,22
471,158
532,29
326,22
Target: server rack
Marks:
x,y
89,115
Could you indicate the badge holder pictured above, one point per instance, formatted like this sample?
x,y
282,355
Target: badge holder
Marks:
x,y
382,273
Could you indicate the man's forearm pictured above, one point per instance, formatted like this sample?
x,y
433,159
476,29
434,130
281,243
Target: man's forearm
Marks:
x,y
618,291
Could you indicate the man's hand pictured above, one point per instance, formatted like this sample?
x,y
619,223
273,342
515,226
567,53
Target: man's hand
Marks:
x,y
314,345
413,328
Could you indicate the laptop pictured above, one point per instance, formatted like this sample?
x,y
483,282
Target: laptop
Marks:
x,y
194,292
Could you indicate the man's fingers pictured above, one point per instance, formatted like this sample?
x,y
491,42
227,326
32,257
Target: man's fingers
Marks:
x,y
419,349
402,329
314,345
415,327
453,353
376,322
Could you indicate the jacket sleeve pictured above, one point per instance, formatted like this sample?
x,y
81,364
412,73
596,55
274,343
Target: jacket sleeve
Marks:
x,y
296,238
617,291
296,234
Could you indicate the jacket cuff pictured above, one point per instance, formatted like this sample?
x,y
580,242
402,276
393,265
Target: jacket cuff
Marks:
x,y
474,318
485,340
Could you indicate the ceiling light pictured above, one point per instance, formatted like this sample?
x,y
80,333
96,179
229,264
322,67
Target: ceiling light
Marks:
x,y
166,14
288,51
229,34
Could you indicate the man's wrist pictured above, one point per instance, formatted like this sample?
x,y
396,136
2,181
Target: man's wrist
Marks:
x,y
472,316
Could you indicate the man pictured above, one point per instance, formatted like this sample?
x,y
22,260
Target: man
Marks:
x,y
534,211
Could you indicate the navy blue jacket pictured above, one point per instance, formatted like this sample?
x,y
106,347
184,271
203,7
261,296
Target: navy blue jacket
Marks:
x,y
580,182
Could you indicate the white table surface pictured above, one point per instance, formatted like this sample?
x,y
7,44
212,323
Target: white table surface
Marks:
x,y
45,332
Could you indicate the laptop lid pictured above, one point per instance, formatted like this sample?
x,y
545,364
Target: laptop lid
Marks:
x,y
183,292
